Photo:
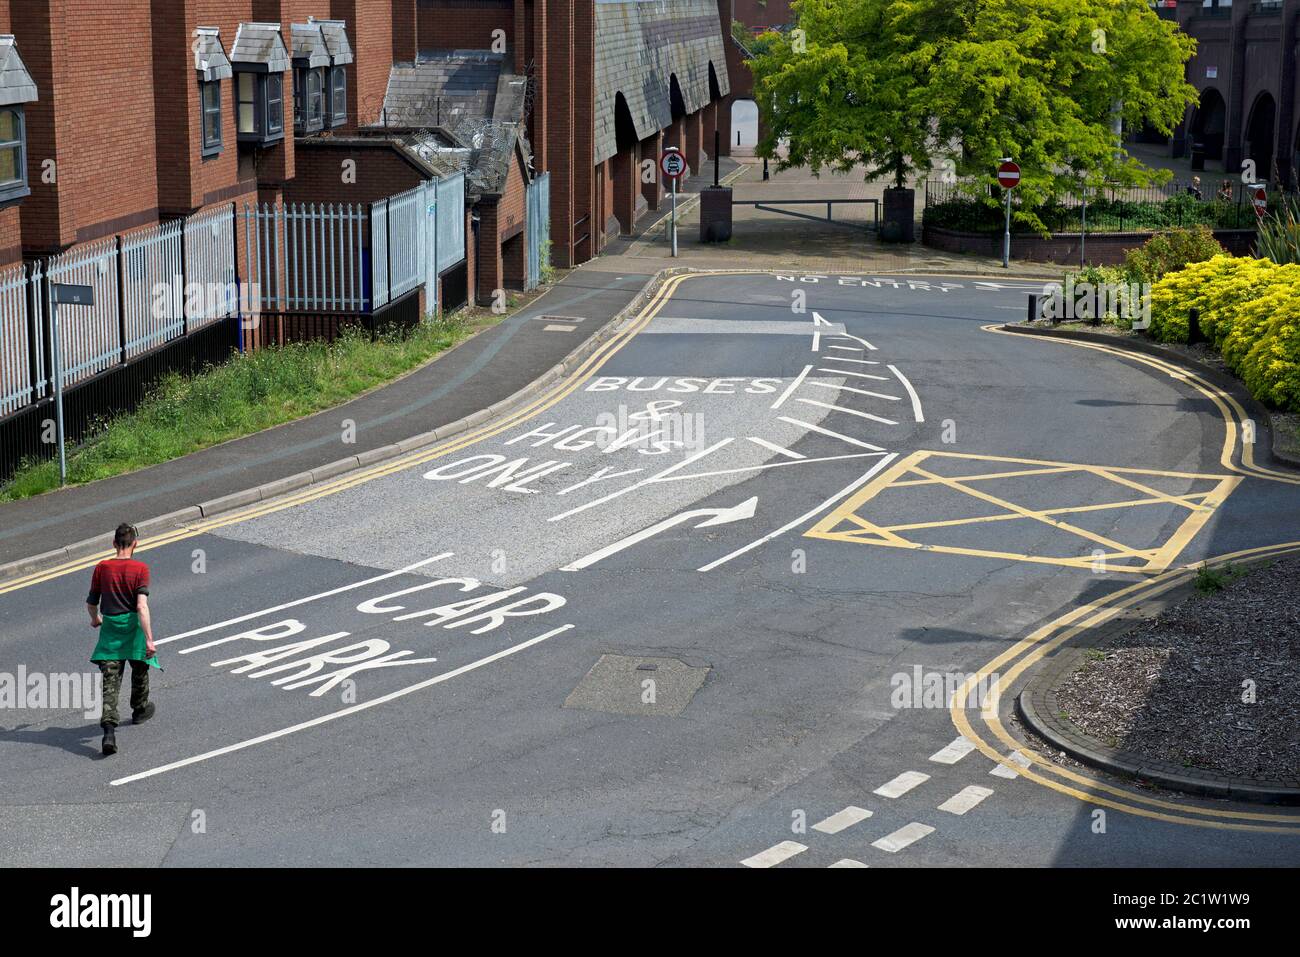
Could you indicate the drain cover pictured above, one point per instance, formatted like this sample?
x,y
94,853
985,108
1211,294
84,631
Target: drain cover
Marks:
x,y
619,684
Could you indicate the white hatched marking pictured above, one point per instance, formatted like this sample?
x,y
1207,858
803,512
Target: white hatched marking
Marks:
x,y
1002,771
834,435
865,362
903,837
848,862
849,388
965,799
792,386
953,752
773,447
775,854
847,348
902,784
840,408
856,375
842,819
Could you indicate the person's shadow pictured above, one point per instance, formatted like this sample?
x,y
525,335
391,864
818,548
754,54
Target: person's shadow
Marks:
x,y
81,741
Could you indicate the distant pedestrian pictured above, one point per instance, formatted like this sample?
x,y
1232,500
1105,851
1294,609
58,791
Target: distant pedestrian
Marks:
x,y
1225,191
119,607
1195,188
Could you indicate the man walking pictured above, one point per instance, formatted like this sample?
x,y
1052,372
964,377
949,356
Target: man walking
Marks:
x,y
119,607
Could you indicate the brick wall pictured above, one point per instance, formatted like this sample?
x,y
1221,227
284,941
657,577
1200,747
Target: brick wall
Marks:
x,y
381,171
463,24
375,34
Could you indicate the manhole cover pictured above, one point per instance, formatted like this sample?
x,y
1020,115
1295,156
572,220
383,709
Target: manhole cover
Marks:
x,y
620,684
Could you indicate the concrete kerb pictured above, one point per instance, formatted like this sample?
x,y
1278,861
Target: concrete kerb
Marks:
x,y
341,467
1037,707
1215,376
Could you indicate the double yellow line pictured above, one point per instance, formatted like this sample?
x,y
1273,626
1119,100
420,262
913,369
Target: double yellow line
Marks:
x,y
598,358
1009,666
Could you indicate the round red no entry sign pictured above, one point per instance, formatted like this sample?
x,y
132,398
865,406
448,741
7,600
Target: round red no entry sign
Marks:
x,y
1009,175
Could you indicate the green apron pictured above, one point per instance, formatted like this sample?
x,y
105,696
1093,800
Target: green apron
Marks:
x,y
122,639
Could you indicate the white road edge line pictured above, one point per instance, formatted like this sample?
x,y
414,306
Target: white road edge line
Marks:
x,y
843,493
792,386
352,709
302,601
775,854
916,399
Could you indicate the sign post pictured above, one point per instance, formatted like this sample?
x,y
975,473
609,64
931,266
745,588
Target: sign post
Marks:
x,y
673,165
68,295
1008,179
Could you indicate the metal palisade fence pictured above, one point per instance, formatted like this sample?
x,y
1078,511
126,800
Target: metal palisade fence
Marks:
x,y
539,226
416,236
150,286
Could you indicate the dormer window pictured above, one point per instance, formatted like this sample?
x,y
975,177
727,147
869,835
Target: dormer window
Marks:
x,y
260,60
338,105
212,67
309,108
321,52
16,88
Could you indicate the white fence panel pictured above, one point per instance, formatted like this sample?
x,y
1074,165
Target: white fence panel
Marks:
x,y
406,241
153,293
19,314
210,267
89,336
379,252
450,194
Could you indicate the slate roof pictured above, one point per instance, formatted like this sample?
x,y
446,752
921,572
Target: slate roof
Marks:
x,y
209,56
442,86
258,45
16,84
335,33
309,46
639,47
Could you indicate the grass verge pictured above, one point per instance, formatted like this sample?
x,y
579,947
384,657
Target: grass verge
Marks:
x,y
251,392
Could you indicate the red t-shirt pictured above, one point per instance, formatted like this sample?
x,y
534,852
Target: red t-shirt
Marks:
x,y
116,584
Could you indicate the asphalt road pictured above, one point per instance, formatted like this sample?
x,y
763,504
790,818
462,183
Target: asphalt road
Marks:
x,y
671,614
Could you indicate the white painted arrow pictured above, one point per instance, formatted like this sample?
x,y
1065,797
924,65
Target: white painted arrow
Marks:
x,y
715,516
818,320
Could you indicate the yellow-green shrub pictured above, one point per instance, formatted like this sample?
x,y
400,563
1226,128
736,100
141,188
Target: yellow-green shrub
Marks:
x,y
1263,347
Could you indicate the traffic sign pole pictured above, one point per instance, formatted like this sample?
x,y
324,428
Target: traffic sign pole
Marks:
x,y
58,393
1006,235
674,216
673,164
1008,179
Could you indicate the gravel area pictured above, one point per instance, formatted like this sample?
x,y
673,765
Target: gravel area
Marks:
x,y
1172,688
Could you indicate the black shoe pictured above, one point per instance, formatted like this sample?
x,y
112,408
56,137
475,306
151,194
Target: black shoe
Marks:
x,y
110,739
141,715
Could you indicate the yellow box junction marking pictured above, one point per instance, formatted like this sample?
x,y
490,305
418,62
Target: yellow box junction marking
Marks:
x,y
847,523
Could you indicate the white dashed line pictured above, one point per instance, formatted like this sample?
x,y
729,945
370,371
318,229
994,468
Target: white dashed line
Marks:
x,y
904,836
841,819
954,752
775,854
902,784
848,862
965,799
1002,771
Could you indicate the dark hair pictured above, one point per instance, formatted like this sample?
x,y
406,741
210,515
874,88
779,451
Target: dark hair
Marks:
x,y
125,536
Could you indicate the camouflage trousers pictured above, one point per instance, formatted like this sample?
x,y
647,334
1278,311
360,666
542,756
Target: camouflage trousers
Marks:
x,y
112,672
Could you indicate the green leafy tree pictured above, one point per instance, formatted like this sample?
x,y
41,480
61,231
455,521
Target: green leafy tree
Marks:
x,y
948,87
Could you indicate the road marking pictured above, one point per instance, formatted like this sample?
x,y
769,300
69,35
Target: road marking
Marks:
x,y
775,854
643,482
905,836
840,408
817,341
1008,772
965,799
847,490
849,388
344,712
791,387
556,327
864,342
834,435
916,399
902,784
715,516
302,601
865,362
773,447
848,348
842,819
953,752
848,862
856,375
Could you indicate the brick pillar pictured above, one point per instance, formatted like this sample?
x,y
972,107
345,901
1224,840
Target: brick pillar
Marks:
x,y
517,37
724,124
537,122
405,42
651,147
692,135
471,260
673,135
515,269
1286,107
584,131
1233,145
559,120
625,184
490,267
708,123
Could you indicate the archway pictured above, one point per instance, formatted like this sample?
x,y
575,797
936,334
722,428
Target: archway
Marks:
x,y
1261,136
744,126
1209,122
